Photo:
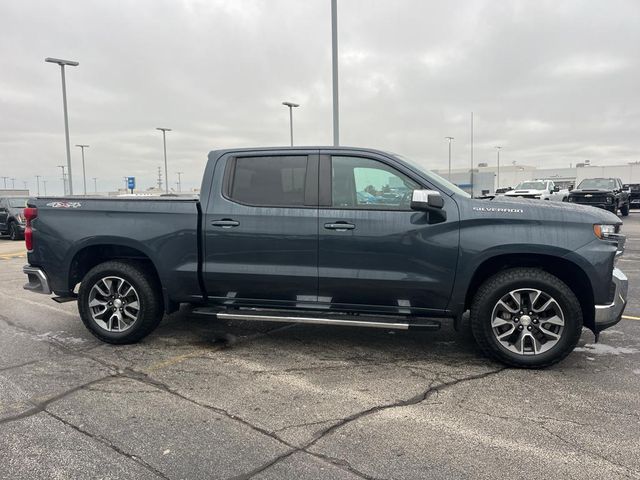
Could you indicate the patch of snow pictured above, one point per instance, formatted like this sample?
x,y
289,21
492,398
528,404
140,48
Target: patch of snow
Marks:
x,y
604,349
60,337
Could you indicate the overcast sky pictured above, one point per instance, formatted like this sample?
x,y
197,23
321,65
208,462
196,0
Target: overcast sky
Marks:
x,y
553,82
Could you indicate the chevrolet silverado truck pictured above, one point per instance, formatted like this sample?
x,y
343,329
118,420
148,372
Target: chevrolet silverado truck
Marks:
x,y
604,193
334,236
538,189
12,220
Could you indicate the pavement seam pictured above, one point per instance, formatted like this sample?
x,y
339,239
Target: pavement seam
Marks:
x,y
112,446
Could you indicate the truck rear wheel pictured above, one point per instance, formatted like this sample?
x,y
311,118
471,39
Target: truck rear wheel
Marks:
x,y
120,302
526,317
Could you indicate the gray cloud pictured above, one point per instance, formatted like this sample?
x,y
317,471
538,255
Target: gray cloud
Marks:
x,y
553,82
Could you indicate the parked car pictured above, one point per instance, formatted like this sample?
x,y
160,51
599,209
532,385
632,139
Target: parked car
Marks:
x,y
634,194
12,220
604,193
537,189
282,235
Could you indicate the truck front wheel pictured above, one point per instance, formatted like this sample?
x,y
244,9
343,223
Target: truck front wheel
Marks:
x,y
526,317
120,302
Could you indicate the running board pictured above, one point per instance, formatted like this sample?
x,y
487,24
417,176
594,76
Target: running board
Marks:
x,y
425,325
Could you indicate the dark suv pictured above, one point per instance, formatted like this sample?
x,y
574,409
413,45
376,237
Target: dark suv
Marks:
x,y
12,220
634,194
604,193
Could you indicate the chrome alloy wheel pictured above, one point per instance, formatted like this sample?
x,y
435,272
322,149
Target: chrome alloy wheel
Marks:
x,y
527,321
114,304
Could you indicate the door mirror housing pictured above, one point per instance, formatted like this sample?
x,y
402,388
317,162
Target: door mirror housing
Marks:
x,y
426,200
556,188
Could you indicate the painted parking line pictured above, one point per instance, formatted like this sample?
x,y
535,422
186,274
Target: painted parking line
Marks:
x,y
629,317
9,256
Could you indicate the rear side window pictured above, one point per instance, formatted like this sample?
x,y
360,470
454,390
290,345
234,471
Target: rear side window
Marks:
x,y
269,181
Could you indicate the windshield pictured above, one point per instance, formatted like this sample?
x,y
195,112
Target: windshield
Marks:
x,y
531,186
18,202
434,177
602,183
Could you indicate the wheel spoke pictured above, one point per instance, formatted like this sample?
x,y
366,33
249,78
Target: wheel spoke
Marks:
x,y
507,307
517,299
498,322
555,320
508,333
96,302
549,333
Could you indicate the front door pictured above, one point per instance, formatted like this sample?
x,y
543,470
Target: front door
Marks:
x,y
261,230
374,251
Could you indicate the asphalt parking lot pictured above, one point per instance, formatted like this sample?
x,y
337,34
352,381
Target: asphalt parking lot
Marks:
x,y
208,399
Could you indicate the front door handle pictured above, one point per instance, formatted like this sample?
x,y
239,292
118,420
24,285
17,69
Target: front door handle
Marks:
x,y
339,226
225,223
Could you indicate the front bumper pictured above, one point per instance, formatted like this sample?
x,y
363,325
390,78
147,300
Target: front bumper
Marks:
x,y
608,315
38,280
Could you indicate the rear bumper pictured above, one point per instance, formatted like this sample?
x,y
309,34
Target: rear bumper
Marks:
x,y
608,315
38,280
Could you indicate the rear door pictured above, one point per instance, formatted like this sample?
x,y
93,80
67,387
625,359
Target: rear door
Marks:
x,y
261,229
374,251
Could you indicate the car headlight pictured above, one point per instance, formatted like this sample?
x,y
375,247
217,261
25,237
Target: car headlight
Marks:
x,y
609,199
569,199
604,231
20,218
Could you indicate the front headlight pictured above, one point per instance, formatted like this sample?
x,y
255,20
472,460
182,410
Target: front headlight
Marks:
x,y
604,231
609,199
20,218
569,199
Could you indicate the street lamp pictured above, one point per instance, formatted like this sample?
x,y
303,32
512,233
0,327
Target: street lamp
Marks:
x,y
95,184
449,138
44,186
62,64
498,151
84,176
5,181
38,183
179,181
64,179
13,183
334,71
291,107
164,143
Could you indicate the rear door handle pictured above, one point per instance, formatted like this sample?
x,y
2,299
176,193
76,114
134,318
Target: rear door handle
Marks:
x,y
339,226
225,223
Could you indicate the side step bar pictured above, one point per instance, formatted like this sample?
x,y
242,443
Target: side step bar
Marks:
x,y
424,325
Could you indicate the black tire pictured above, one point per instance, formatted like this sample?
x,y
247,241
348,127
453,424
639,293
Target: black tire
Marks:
x,y
13,232
624,210
496,287
148,290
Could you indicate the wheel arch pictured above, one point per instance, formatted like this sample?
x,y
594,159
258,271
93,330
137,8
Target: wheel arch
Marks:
x,y
566,270
94,253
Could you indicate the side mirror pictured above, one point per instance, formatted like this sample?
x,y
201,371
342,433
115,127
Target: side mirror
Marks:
x,y
426,200
556,188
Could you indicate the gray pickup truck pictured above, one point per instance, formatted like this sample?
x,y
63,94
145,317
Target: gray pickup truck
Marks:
x,y
334,236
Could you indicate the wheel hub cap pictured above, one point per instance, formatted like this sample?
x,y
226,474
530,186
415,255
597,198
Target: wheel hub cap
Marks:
x,y
525,320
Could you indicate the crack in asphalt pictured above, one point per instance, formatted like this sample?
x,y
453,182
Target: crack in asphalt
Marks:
x,y
23,364
39,407
628,472
109,444
430,390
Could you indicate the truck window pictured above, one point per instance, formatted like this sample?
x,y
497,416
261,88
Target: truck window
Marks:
x,y
363,183
269,181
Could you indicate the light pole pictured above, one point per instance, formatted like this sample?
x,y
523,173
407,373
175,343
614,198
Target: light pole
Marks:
x,y
38,183
449,138
44,186
179,181
84,175
62,64
498,151
64,180
5,181
164,143
334,65
95,184
291,106
13,183
26,184
471,171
